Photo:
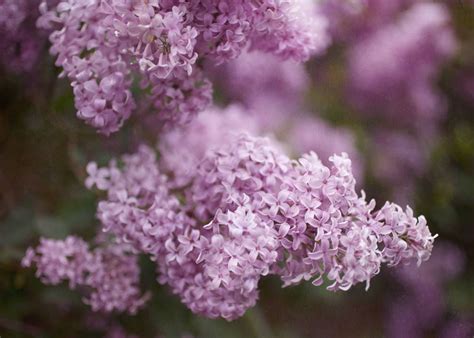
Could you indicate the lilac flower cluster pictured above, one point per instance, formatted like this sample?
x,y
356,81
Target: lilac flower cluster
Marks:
x,y
393,64
110,274
248,211
100,44
12,14
393,70
355,19
20,41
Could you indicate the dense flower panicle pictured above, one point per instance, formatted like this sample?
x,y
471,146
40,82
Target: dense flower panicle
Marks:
x,y
392,70
99,75
190,259
215,269
102,92
228,175
114,276
101,44
248,211
160,39
137,194
224,27
289,28
109,274
408,237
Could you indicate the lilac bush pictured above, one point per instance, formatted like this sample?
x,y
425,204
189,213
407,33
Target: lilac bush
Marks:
x,y
236,145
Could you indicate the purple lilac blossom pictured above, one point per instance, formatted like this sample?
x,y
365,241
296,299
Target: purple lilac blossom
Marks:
x,y
110,274
392,71
101,44
354,19
12,14
20,41
249,211
392,74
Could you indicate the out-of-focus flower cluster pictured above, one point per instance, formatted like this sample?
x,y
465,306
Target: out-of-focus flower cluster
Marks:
x,y
219,214
20,41
393,65
393,69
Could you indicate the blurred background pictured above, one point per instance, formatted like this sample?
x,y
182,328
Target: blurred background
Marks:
x,y
395,89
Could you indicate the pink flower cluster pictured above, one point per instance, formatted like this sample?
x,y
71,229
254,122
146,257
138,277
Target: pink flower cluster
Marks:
x,y
100,44
248,211
109,274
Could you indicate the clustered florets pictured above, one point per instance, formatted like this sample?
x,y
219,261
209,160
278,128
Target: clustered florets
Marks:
x,y
109,273
100,44
248,211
